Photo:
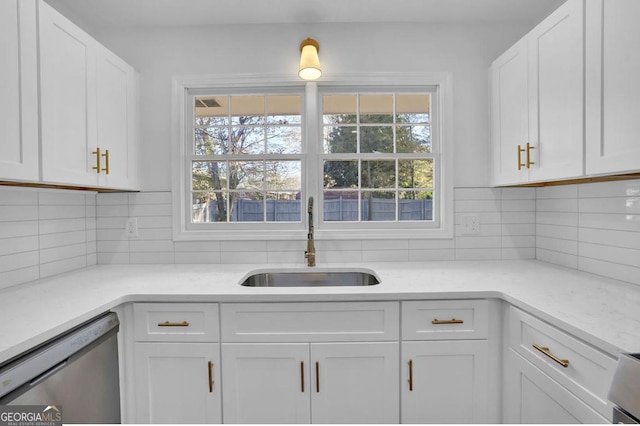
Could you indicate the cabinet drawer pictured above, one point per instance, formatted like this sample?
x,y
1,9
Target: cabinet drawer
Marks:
x,y
581,368
309,322
176,322
445,319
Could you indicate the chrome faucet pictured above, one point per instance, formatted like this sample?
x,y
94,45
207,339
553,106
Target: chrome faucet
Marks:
x,y
310,254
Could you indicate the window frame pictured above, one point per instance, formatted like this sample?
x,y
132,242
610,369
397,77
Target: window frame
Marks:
x,y
442,131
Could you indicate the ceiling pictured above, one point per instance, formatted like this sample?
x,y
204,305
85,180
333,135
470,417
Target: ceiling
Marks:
x,y
114,14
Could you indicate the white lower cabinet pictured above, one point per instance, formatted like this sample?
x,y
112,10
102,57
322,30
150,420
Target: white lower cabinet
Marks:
x,y
445,382
177,383
176,358
531,396
551,376
317,382
446,373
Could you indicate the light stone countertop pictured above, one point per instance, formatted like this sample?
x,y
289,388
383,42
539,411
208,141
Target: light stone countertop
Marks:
x,y
600,311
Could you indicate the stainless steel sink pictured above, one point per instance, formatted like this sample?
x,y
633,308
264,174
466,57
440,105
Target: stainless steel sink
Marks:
x,y
310,278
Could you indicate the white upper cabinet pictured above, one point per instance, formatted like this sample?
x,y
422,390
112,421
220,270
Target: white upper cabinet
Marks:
x,y
537,102
612,86
116,120
556,124
88,108
67,97
18,91
510,114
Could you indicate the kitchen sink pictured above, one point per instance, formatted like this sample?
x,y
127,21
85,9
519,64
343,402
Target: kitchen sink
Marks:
x,y
310,278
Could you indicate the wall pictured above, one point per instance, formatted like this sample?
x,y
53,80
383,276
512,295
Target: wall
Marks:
x,y
592,227
465,50
44,233
507,232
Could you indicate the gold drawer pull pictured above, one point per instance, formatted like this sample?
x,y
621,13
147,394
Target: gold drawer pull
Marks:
x,y
98,155
545,350
520,163
451,321
106,159
210,365
529,148
173,324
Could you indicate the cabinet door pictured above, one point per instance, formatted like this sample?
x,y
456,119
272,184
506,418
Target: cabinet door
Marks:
x,y
67,98
556,94
509,114
612,86
177,383
115,114
355,382
266,383
531,396
445,382
18,91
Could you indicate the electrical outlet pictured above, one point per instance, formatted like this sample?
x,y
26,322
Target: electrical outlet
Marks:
x,y
131,227
470,224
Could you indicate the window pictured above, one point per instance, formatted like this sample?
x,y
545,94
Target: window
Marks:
x,y
372,155
377,160
246,158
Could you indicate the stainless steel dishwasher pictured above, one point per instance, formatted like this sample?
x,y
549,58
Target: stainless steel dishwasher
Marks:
x,y
625,390
77,370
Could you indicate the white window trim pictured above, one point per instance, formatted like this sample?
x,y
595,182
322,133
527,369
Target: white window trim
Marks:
x,y
443,127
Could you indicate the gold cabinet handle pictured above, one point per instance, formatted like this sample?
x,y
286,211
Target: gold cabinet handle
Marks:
x,y
545,350
210,365
173,324
98,155
451,321
301,376
410,363
520,163
529,148
317,377
106,161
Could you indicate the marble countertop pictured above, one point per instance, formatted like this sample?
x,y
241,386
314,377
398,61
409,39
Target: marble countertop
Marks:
x,y
600,311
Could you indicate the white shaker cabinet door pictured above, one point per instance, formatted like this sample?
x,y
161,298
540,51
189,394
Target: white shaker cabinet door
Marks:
x,y
177,383
18,91
531,396
116,102
266,383
612,86
556,95
67,98
510,115
445,382
355,383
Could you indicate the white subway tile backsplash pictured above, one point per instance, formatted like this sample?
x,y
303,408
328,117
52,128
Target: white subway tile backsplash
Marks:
x,y
608,237
18,229
44,232
556,205
593,227
623,256
18,244
557,231
626,188
385,255
621,222
558,258
479,254
621,205
425,255
612,270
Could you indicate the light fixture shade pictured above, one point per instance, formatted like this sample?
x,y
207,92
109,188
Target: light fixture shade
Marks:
x,y
309,62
